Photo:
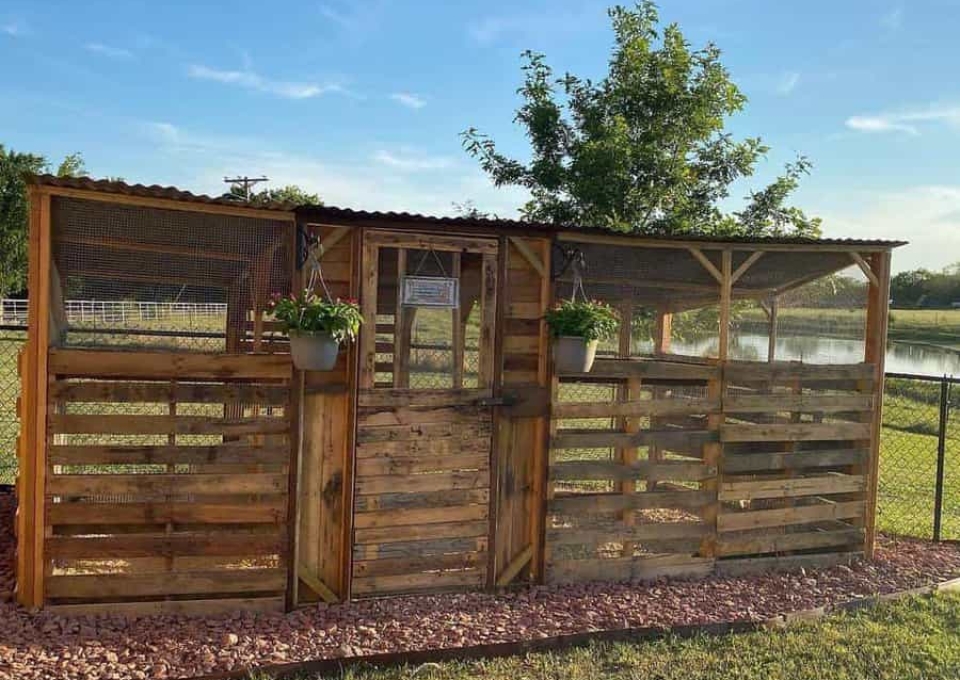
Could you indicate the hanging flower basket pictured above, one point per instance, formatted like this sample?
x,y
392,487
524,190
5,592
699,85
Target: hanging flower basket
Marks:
x,y
317,327
577,329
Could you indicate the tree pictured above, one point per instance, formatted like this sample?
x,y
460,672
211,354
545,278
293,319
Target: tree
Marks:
x,y
290,194
15,211
644,149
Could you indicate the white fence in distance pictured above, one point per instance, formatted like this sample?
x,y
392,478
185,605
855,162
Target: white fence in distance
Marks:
x,y
113,312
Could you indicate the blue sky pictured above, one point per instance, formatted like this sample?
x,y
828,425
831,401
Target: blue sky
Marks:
x,y
362,101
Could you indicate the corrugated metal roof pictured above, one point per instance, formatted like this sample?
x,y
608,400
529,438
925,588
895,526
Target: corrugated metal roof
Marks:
x,y
348,215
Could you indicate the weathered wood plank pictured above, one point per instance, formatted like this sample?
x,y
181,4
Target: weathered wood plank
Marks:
x,y
208,544
601,439
755,565
420,483
779,460
168,365
597,503
650,407
678,471
164,392
649,369
629,569
413,415
165,484
267,510
423,501
421,516
225,454
805,514
395,398
371,467
640,533
420,532
795,432
164,424
457,431
433,581
395,566
730,545
768,403
107,586
787,370
423,447
792,487
442,546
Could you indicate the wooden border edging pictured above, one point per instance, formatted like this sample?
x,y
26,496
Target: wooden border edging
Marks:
x,y
570,640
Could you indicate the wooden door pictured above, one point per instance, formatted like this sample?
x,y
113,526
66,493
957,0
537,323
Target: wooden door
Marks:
x,y
424,418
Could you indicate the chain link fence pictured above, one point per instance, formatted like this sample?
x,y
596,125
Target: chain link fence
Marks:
x,y
919,493
12,339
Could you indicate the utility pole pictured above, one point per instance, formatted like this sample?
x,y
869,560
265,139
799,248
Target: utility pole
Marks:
x,y
245,183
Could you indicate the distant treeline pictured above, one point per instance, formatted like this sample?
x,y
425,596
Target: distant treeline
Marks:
x,y
924,288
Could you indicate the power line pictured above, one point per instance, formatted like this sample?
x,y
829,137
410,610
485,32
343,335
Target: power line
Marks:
x,y
245,183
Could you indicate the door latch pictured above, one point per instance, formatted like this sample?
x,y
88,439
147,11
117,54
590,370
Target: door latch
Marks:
x,y
502,400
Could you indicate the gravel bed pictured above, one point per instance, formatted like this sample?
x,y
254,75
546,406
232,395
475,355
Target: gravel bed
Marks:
x,y
42,645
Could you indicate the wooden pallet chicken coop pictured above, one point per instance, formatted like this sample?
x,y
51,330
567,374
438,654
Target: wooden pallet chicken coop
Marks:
x,y
174,459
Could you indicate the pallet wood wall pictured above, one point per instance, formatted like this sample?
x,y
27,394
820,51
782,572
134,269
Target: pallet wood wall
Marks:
x,y
166,482
327,419
796,444
632,488
522,426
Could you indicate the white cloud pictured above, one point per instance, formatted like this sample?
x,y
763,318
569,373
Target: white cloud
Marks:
x,y
907,121
531,26
358,19
788,82
109,51
253,81
412,161
411,101
199,161
927,216
14,29
893,19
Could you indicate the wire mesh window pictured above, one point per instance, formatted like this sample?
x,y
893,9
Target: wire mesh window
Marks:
x,y
422,347
146,278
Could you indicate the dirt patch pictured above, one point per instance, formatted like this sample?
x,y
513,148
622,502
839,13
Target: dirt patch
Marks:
x,y
42,645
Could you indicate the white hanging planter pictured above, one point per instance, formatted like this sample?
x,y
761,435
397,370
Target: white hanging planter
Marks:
x,y
573,354
313,351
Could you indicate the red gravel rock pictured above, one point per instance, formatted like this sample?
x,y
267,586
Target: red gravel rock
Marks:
x,y
44,645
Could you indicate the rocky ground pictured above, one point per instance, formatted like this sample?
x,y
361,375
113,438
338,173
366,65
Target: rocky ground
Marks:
x,y
42,645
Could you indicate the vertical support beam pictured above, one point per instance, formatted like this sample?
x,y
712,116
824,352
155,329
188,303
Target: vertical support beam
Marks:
x,y
713,455
662,331
541,462
31,483
401,331
726,289
488,316
353,382
774,319
457,327
875,353
627,392
294,414
368,307
502,447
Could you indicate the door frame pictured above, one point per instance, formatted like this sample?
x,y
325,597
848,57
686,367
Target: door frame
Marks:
x,y
494,249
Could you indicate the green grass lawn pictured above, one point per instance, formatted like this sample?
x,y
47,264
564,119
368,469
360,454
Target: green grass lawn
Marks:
x,y
915,638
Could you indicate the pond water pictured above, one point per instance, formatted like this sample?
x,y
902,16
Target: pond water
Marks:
x,y
901,357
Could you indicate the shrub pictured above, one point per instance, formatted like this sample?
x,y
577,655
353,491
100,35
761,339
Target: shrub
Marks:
x,y
591,320
308,313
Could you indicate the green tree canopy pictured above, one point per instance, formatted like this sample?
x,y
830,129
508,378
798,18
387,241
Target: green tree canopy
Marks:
x,y
14,210
644,149
290,194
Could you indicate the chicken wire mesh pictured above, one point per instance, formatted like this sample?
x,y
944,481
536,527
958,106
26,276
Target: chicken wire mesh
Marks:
x,y
133,277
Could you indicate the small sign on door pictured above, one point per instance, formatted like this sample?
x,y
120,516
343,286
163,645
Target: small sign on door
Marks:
x,y
430,291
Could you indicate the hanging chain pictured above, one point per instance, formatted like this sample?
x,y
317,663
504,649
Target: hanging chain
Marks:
x,y
436,257
314,252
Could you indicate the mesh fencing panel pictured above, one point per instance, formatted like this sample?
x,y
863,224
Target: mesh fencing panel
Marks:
x,y
12,339
148,278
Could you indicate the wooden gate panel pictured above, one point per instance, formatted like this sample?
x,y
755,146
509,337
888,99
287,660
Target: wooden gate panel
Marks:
x,y
422,491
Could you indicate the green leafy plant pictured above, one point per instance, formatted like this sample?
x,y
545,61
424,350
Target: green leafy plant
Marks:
x,y
587,319
309,314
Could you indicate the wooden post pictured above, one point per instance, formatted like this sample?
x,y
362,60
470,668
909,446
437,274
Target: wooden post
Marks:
x,y
726,286
457,334
31,483
875,349
368,306
401,331
773,316
627,392
662,330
